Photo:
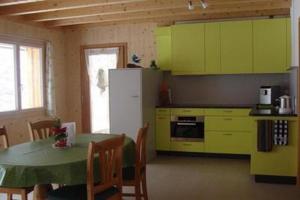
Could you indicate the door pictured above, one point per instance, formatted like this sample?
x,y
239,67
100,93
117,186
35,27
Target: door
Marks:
x,y
270,45
212,48
126,101
188,48
96,61
163,47
236,47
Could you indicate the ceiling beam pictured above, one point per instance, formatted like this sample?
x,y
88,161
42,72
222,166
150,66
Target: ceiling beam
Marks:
x,y
144,6
169,20
158,14
54,5
14,2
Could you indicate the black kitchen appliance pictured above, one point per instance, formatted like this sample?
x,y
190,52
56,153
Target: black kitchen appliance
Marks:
x,y
187,128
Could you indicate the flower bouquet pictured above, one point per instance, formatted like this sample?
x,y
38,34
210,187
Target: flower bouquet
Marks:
x,y
60,136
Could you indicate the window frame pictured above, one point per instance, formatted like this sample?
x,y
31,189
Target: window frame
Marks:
x,y
18,42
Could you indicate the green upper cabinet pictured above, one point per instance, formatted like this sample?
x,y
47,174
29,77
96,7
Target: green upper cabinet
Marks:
x,y
163,47
270,45
212,48
236,47
188,49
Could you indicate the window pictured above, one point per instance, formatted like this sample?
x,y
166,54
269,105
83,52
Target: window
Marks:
x,y
21,77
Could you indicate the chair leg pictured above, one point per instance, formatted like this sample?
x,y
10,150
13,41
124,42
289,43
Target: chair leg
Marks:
x,y
24,195
137,189
144,187
9,197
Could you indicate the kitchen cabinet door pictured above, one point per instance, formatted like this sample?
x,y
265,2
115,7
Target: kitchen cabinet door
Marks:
x,y
236,47
163,132
270,45
212,48
188,49
228,142
163,47
289,43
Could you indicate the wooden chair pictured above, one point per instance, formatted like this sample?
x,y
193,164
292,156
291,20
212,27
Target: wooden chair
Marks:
x,y
110,169
41,129
136,176
10,191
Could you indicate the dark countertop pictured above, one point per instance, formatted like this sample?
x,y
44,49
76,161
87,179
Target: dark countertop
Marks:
x,y
268,113
241,106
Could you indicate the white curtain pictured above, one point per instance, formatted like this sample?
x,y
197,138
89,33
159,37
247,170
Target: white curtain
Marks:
x,y
50,86
102,71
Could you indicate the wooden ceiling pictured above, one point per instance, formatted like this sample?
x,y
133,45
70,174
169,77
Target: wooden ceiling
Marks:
x,y
63,13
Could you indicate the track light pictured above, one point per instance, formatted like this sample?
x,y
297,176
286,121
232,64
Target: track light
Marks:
x,y
190,5
203,4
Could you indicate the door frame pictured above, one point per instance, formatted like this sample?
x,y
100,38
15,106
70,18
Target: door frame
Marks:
x,y
85,86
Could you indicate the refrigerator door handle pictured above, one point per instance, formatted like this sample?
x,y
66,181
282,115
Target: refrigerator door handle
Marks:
x,y
135,96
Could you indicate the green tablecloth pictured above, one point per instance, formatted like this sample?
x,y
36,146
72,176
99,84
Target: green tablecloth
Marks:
x,y
37,162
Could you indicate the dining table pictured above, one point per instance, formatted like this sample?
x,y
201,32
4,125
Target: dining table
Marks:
x,y
39,163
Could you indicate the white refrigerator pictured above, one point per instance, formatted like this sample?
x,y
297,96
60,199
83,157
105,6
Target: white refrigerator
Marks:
x,y
133,95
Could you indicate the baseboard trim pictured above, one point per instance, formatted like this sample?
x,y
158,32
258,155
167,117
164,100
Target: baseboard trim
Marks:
x,y
289,180
207,155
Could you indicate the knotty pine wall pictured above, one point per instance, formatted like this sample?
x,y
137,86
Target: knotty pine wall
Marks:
x,y
140,40
17,123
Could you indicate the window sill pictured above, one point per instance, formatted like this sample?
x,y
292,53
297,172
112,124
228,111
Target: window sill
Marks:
x,y
23,113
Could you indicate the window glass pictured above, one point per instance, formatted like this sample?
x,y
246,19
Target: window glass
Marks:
x,y
31,77
7,78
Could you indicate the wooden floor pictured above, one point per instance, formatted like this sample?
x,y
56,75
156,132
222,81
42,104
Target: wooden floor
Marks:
x,y
185,178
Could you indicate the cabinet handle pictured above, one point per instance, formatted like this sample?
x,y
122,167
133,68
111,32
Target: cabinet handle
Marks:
x,y
227,134
227,119
186,144
228,111
162,118
186,111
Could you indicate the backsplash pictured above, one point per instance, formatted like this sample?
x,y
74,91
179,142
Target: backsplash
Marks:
x,y
222,89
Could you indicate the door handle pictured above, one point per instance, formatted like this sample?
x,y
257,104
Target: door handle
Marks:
x,y
135,96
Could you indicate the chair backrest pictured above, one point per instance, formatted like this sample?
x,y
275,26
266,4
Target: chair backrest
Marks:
x,y
110,165
41,129
141,149
3,134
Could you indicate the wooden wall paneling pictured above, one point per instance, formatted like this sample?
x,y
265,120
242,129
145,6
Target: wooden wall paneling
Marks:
x,y
139,39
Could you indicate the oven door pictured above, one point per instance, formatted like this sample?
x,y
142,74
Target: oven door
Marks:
x,y
187,130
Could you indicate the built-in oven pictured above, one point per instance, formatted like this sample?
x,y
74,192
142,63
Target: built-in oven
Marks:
x,y
187,128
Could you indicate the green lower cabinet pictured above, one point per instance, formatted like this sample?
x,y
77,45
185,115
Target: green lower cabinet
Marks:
x,y
228,142
281,161
187,146
162,132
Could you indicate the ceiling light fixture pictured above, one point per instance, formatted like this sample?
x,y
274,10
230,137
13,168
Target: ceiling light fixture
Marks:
x,y
203,4
190,5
